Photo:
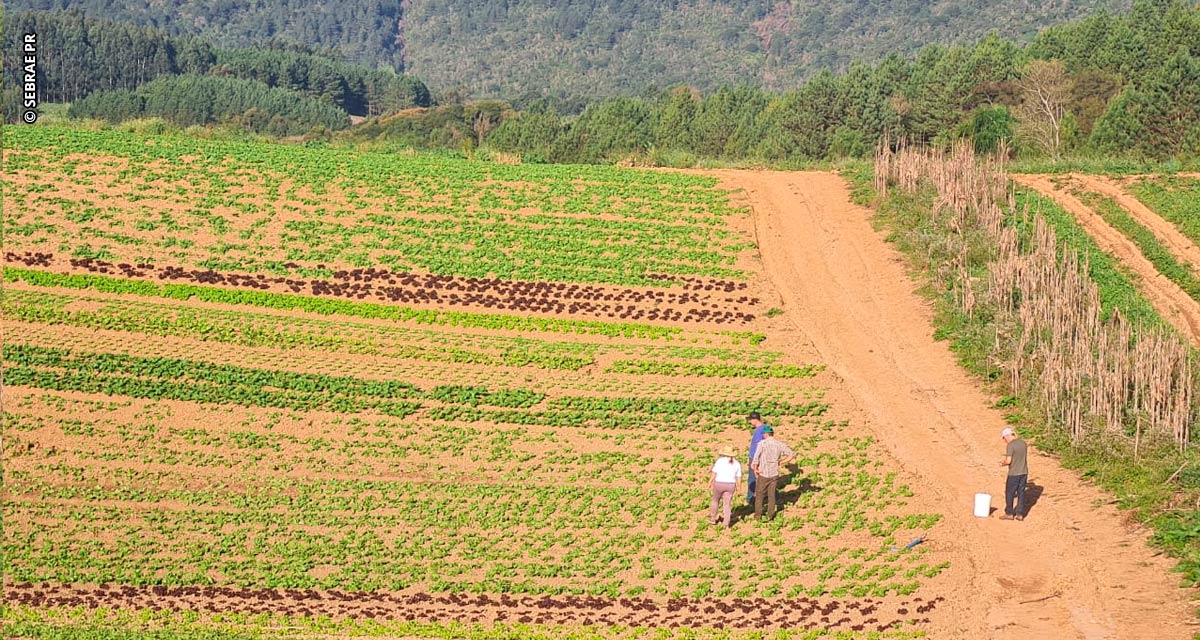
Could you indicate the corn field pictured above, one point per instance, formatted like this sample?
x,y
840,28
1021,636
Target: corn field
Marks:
x,y
1092,377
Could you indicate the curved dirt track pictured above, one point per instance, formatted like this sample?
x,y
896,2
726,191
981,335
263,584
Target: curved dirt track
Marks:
x,y
1172,302
1180,245
1074,568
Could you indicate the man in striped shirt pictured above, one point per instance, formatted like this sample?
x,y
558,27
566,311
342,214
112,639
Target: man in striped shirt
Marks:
x,y
769,457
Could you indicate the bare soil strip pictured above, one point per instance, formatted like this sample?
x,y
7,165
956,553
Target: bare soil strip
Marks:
x,y
1172,302
858,614
1180,245
1075,568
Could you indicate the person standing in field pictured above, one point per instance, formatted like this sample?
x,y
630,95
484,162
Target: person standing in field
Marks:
x,y
770,456
757,423
1016,459
726,474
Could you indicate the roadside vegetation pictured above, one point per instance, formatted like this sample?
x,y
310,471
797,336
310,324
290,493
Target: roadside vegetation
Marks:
x,y
1133,437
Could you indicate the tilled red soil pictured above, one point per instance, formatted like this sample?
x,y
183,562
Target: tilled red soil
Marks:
x,y
864,614
701,299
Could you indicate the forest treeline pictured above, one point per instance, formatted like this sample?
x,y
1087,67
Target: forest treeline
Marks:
x,y
104,68
359,31
1118,84
191,99
512,49
1113,84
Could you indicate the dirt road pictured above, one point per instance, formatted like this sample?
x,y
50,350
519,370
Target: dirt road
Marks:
x,y
1171,302
1072,569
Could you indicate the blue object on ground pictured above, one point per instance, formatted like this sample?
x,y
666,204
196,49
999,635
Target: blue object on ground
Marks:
x,y
915,542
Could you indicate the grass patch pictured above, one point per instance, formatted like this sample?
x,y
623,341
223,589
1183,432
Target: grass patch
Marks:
x,y
1177,200
1154,250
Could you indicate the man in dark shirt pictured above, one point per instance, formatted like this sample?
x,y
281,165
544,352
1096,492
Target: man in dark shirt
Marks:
x,y
756,421
1016,459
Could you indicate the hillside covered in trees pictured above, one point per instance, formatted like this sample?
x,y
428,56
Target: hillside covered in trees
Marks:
x,y
1124,85
1118,85
590,48
114,71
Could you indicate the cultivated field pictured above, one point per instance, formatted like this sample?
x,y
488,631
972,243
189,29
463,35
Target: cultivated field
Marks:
x,y
260,391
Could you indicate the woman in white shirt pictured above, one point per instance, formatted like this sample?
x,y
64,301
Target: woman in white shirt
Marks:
x,y
726,474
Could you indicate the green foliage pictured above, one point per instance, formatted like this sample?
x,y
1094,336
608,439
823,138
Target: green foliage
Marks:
x,y
989,127
1176,199
1159,255
1130,88
177,379
658,367
615,48
187,100
1159,116
361,31
78,55
355,89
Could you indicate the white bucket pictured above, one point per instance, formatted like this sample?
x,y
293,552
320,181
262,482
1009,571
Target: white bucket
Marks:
x,y
983,505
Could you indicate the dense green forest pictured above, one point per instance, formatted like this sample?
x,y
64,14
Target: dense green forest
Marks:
x,y
210,100
594,48
1113,84
1125,85
362,31
80,56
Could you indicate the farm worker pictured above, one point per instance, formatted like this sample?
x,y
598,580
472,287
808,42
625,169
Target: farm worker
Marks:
x,y
723,481
1015,458
769,456
758,424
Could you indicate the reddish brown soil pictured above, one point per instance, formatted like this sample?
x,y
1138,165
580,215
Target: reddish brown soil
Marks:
x,y
733,613
1075,568
1172,302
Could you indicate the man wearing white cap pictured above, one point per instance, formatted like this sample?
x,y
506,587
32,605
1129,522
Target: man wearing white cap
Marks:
x,y
1015,458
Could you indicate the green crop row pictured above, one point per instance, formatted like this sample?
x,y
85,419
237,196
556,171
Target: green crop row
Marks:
x,y
1152,248
258,329
710,370
178,379
571,411
199,381
326,306
229,328
688,408
1175,199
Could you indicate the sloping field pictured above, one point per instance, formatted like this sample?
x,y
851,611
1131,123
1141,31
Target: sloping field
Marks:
x,y
260,392
216,424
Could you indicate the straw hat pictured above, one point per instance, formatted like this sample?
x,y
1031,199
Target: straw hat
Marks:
x,y
728,450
